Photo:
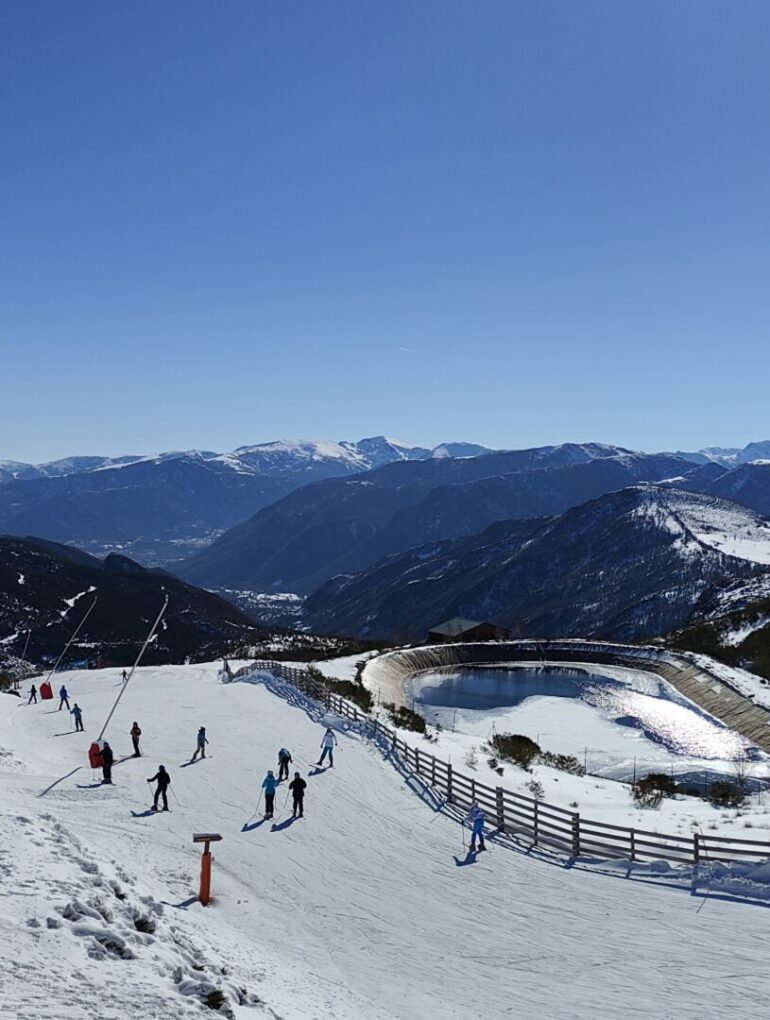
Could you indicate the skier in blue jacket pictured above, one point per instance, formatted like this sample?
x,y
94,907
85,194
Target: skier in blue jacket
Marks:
x,y
475,818
269,784
200,744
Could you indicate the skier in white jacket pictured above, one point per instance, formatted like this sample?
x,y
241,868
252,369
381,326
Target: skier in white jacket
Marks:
x,y
328,744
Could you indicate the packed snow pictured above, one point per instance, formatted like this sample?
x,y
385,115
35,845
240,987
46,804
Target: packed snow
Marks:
x,y
366,908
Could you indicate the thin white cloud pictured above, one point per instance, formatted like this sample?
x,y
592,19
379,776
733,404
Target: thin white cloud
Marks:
x,y
408,350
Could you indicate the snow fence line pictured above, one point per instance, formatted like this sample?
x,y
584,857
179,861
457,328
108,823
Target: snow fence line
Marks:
x,y
515,816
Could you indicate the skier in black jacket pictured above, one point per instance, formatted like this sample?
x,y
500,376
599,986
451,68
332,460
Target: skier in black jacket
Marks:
x,y
163,779
107,759
297,787
284,760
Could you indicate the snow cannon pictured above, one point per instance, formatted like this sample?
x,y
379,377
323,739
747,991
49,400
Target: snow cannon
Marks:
x,y
95,754
45,691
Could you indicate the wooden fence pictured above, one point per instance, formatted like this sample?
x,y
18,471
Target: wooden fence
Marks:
x,y
525,818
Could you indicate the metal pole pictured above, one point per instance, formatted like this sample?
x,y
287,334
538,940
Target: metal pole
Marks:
x,y
26,644
136,663
75,634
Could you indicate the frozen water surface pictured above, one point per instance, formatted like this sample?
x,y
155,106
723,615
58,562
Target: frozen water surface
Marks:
x,y
622,719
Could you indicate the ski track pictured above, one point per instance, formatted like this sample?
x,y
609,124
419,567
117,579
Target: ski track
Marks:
x,y
359,910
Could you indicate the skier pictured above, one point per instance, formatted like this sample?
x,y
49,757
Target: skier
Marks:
x,y
32,695
77,711
284,758
297,787
135,735
124,676
163,780
475,818
107,759
269,784
201,744
64,698
328,744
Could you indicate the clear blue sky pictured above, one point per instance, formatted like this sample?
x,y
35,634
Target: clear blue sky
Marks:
x,y
513,222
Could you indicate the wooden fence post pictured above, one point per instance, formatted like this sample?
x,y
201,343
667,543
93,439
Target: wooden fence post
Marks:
x,y
695,848
449,783
534,813
433,770
500,809
576,834
633,845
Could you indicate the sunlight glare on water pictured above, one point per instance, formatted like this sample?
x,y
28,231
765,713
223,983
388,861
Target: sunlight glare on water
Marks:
x,y
643,702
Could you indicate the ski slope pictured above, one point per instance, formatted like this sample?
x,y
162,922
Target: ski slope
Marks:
x,y
364,909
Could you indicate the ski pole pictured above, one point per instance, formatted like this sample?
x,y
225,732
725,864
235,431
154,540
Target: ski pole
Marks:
x,y
174,795
286,799
711,873
462,830
256,810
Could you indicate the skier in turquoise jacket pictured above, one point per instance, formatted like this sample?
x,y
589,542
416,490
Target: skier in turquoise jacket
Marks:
x,y
269,784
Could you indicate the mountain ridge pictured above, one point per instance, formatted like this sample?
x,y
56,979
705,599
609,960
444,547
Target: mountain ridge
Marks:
x,y
347,524
628,565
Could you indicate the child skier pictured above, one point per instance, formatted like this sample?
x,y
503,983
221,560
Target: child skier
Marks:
x,y
201,744
78,713
32,695
163,779
475,818
63,698
297,787
284,759
269,784
328,744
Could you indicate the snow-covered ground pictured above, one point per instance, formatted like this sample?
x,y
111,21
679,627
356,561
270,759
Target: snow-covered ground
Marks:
x,y
748,684
364,909
696,518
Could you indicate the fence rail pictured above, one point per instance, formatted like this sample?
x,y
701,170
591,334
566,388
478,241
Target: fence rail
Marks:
x,y
515,815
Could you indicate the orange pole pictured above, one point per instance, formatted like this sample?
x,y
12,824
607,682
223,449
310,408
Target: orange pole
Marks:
x,y
205,890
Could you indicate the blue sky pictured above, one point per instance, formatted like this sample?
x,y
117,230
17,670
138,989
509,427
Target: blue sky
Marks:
x,y
508,222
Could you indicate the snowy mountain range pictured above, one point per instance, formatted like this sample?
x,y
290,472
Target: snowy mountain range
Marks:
x,y
386,538
343,525
730,456
276,458
629,565
160,508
